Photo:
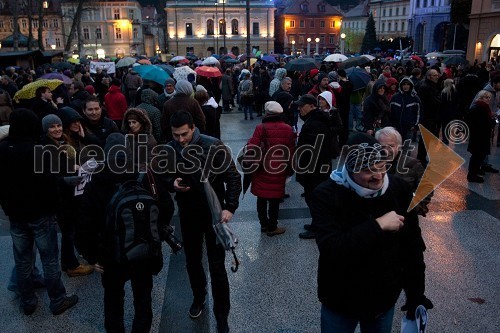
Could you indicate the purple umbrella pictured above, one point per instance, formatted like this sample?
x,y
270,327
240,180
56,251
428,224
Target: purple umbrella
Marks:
x,y
198,62
56,76
268,58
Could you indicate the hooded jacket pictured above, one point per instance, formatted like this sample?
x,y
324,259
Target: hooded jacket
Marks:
x,y
405,108
149,100
276,82
376,108
116,103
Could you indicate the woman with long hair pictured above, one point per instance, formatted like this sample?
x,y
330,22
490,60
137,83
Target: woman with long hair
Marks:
x,y
449,109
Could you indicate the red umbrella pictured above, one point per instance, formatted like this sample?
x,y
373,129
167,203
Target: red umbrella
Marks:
x,y
208,71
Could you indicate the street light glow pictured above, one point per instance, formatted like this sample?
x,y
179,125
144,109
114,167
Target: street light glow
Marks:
x,y
342,35
317,40
308,40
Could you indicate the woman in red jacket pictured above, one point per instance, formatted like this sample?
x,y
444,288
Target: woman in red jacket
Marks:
x,y
115,102
277,140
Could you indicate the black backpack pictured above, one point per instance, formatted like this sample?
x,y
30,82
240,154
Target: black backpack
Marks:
x,y
132,222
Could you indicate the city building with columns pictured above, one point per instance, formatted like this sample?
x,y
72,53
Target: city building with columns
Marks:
x,y
312,25
428,22
107,28
218,26
391,17
484,31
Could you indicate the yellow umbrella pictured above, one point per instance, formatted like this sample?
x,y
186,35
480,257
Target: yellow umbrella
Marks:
x,y
73,60
252,61
29,90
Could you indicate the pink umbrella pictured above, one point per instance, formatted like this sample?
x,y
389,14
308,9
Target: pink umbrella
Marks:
x,y
208,71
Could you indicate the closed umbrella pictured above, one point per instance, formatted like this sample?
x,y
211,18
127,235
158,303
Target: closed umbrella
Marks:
x,y
337,57
358,77
208,71
301,64
28,91
181,73
225,235
210,61
56,76
152,73
125,62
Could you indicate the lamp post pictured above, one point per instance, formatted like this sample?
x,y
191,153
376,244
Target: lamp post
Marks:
x,y
224,23
423,35
308,46
317,45
216,28
342,41
293,47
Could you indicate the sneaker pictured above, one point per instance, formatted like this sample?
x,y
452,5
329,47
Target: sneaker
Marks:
x,y
307,235
81,270
475,179
277,231
489,168
308,227
68,302
196,309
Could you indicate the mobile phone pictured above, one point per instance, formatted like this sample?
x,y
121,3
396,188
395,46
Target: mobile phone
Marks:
x,y
183,183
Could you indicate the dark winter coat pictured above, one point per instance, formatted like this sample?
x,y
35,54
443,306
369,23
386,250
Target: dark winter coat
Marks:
x,y
78,100
405,109
97,133
430,96
316,123
212,117
480,122
177,103
363,269
149,100
5,108
269,180
376,109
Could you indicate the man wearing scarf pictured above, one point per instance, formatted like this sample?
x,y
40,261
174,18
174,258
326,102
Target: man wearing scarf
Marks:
x,y
370,247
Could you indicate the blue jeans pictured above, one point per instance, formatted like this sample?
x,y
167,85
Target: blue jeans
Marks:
x,y
42,233
334,322
35,275
355,113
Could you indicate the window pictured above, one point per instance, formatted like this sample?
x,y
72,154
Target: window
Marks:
x,y
118,33
390,12
357,24
222,27
302,23
383,13
301,39
395,26
389,26
311,24
331,39
135,33
24,24
46,42
45,23
383,27
322,24
292,24
116,14
397,11
403,26
55,23
234,27
304,7
98,33
131,14
97,15
1,24
321,8
404,11
322,39
189,29
210,27
189,49
255,28
58,42
332,24
86,33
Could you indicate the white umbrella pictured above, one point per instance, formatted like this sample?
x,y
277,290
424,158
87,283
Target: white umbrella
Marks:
x,y
210,61
177,58
125,62
181,73
337,57
433,55
368,56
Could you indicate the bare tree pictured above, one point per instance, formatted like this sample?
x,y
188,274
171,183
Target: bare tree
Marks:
x,y
75,27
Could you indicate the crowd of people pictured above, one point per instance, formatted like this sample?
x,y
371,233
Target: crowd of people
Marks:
x,y
358,225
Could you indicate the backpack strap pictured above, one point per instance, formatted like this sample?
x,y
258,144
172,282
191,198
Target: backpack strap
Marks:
x,y
151,181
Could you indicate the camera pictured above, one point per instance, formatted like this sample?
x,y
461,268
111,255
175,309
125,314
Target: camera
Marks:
x,y
172,241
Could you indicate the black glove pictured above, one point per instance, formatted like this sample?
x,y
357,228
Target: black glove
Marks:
x,y
73,180
412,304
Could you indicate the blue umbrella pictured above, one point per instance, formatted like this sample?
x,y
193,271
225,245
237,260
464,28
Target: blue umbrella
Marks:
x,y
377,49
152,73
358,77
268,58
167,68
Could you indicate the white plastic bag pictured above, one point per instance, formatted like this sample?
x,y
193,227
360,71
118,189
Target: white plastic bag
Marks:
x,y
419,325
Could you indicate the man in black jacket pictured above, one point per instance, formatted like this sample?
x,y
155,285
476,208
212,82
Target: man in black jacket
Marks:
x,y
370,247
313,166
200,157
97,127
405,109
27,198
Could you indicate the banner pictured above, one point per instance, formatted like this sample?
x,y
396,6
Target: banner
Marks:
x,y
109,67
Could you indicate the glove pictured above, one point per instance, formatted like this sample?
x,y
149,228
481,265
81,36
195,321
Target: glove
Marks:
x,y
412,304
73,180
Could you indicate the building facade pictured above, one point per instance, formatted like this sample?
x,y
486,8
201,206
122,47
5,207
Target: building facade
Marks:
x,y
49,20
220,26
153,25
107,28
354,26
484,31
312,25
391,17
428,24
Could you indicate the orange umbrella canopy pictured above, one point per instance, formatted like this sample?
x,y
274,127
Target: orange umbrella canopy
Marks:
x,y
208,71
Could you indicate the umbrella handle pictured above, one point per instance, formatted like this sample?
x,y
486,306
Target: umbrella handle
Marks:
x,y
234,269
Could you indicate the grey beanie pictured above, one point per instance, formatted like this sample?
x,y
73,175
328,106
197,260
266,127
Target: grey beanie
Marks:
x,y
169,81
184,87
49,120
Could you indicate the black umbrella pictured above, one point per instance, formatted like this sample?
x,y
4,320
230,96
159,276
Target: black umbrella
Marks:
x,y
225,235
354,61
358,77
456,60
302,64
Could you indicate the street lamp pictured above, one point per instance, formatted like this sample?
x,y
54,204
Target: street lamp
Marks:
x,y
317,45
293,47
308,46
216,22
342,41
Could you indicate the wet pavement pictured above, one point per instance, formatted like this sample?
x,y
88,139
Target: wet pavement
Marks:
x,y
275,288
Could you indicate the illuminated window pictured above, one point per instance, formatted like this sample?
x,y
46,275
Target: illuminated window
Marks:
x,y
292,24
255,28
234,27
45,4
116,13
189,29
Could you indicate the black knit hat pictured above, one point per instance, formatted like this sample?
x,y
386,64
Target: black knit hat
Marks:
x,y
69,115
364,151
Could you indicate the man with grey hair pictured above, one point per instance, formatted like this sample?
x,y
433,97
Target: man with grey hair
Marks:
x,y
285,85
